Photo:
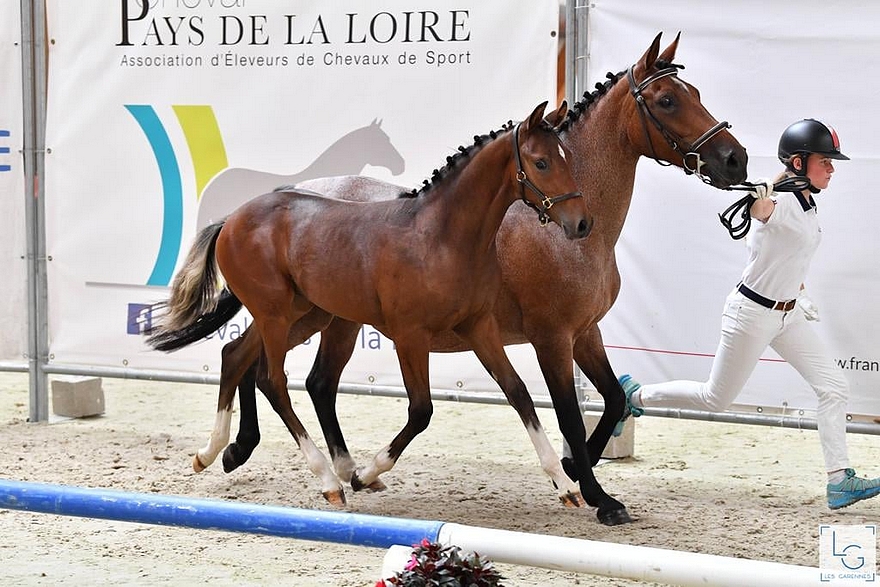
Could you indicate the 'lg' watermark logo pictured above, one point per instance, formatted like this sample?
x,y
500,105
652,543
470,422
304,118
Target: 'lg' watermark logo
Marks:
x,y
847,554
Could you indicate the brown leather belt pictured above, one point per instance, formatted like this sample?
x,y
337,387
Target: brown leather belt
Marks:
x,y
786,306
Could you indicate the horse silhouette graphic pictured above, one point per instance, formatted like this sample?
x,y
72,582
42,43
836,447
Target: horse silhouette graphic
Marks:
x,y
234,186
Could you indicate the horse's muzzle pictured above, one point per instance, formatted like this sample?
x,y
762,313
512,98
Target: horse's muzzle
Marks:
x,y
580,230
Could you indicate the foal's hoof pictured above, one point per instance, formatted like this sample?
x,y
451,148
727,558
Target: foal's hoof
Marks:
x,y
374,486
356,482
614,517
198,467
573,499
234,457
335,498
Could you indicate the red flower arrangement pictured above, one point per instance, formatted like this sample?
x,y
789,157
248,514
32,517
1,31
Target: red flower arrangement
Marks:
x,y
433,565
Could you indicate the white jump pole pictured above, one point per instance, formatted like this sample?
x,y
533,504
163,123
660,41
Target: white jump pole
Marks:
x,y
623,560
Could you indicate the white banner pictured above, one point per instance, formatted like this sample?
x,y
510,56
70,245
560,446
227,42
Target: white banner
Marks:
x,y
181,103
762,66
13,253
158,112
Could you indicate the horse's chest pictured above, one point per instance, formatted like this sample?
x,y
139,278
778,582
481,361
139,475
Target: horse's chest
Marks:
x,y
579,289
600,281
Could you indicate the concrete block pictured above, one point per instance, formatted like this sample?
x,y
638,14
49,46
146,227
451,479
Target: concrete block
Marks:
x,y
77,397
619,446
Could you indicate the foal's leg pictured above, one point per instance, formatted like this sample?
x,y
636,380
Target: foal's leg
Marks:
x,y
589,353
273,382
248,437
412,353
237,453
483,336
237,358
334,352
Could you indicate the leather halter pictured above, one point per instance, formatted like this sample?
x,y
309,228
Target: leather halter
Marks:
x,y
672,139
524,182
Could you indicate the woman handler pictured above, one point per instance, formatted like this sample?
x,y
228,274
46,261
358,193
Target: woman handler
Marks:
x,y
769,307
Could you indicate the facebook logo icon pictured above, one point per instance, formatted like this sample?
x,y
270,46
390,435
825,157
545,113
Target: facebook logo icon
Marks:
x,y
140,318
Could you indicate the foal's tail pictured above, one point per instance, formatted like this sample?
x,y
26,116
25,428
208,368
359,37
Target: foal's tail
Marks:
x,y
197,306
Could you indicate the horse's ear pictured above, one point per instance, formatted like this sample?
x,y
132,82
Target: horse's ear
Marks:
x,y
374,122
650,56
534,119
557,117
669,54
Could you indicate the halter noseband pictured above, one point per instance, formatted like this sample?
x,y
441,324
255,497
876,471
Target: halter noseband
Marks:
x,y
524,182
673,140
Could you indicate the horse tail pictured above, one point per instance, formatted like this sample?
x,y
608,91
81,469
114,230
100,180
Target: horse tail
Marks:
x,y
198,306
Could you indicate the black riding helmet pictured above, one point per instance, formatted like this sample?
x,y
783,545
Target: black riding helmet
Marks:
x,y
805,137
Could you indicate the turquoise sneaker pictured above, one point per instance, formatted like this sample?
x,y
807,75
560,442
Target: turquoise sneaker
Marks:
x,y
630,386
851,490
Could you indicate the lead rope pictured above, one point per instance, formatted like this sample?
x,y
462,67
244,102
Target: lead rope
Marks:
x,y
743,206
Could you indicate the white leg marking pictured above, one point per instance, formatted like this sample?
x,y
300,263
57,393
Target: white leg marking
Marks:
x,y
550,462
319,465
345,467
382,463
219,437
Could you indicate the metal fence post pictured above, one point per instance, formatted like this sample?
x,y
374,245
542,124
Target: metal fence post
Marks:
x,y
34,63
576,50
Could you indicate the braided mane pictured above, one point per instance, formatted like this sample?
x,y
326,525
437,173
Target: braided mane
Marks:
x,y
581,106
575,112
462,154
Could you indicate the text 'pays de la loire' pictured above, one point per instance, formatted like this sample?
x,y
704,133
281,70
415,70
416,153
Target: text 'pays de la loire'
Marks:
x,y
143,26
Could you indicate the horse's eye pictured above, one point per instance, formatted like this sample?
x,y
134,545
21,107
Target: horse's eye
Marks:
x,y
541,164
666,101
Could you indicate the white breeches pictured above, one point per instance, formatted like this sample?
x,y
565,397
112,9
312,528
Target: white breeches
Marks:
x,y
747,329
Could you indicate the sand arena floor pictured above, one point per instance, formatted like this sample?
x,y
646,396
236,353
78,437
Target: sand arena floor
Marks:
x,y
732,490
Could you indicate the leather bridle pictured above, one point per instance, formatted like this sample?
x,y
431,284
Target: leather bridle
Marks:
x,y
674,141
524,182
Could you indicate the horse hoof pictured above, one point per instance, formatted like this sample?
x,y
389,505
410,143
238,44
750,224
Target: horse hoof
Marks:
x,y
614,517
229,464
376,486
572,500
335,498
198,467
233,458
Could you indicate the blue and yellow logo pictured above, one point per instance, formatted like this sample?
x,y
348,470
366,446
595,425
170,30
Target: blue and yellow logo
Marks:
x,y
220,189
208,156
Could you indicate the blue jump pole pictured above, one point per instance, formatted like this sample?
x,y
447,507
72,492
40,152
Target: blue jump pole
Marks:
x,y
503,546
212,514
